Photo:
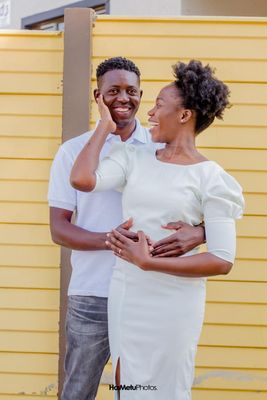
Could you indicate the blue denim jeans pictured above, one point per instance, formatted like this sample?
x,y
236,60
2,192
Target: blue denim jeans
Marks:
x,y
87,350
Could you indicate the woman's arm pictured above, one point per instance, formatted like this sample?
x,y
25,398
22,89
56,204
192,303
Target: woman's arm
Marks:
x,y
199,265
83,171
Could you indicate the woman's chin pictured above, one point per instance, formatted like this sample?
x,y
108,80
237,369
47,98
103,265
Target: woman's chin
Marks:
x,y
154,136
156,139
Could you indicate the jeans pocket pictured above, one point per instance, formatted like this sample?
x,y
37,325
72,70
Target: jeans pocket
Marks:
x,y
86,315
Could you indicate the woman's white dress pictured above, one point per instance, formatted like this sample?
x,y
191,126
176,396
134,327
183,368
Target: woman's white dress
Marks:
x,y
155,319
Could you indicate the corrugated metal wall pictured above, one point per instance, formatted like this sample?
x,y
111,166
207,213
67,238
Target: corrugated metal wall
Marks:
x,y
30,114
232,356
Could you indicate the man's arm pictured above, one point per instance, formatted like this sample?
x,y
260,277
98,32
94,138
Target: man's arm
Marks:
x,y
66,234
184,239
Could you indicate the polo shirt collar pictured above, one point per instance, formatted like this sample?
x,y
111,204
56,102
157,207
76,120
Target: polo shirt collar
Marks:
x,y
138,135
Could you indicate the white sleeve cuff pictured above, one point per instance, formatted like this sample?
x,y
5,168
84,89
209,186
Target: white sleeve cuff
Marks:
x,y
61,204
221,238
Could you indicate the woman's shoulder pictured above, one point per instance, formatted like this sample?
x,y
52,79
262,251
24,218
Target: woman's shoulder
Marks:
x,y
132,147
146,149
121,147
127,154
213,174
222,188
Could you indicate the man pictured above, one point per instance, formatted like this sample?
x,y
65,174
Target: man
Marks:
x,y
118,80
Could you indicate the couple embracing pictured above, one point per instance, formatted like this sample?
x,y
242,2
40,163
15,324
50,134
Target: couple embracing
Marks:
x,y
154,279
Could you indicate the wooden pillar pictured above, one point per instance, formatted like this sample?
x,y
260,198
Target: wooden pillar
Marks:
x,y
76,116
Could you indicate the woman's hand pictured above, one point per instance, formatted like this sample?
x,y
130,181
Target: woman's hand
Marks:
x,y
105,115
137,253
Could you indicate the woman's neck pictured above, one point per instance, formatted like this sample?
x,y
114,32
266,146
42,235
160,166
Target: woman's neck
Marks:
x,y
181,150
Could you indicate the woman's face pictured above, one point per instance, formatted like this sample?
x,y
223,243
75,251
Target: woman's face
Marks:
x,y
165,115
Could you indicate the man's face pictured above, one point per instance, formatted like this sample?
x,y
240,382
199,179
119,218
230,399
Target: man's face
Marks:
x,y
121,93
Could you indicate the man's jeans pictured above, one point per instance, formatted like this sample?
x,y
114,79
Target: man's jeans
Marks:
x,y
87,349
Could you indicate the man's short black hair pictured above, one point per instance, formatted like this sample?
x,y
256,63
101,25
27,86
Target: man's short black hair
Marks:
x,y
117,63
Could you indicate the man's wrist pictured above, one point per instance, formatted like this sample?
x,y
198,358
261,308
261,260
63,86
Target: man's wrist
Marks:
x,y
105,239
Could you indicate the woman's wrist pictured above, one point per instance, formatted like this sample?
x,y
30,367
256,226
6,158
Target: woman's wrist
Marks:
x,y
145,263
105,126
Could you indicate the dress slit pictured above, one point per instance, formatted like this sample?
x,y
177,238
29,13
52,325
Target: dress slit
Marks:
x,y
117,378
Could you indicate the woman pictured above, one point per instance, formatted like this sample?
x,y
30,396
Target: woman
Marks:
x,y
156,305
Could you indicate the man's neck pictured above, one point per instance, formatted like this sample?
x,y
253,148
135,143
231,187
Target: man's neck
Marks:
x,y
126,131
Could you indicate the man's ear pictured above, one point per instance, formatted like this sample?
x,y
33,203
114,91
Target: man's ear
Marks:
x,y
141,93
96,94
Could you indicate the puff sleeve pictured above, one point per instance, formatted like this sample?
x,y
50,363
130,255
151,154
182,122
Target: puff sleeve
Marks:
x,y
222,203
112,171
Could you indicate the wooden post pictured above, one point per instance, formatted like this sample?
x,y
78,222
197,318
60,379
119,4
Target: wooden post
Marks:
x,y
76,116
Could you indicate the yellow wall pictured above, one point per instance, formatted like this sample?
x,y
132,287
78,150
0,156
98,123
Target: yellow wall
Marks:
x,y
232,356
30,132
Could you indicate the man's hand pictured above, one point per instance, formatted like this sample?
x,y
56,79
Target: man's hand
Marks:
x,y
124,229
186,238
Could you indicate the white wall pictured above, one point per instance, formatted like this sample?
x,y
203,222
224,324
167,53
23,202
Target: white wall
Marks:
x,y
145,7
253,8
25,8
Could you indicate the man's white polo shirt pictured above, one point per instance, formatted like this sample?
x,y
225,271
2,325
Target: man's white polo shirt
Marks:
x,y
96,212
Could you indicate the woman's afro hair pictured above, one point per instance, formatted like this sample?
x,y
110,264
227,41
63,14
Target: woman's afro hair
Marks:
x,y
201,91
